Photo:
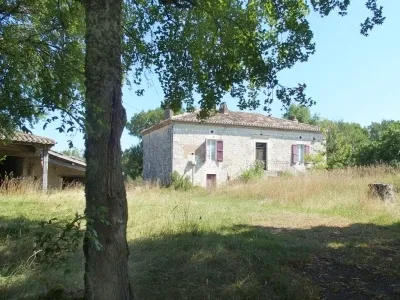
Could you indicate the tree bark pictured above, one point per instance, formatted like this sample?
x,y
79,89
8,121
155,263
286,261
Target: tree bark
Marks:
x,y
106,267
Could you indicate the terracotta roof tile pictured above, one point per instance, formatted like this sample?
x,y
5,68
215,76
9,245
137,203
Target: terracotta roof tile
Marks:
x,y
235,118
21,137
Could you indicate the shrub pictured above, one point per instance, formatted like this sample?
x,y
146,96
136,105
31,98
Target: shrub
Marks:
x,y
317,161
256,171
180,182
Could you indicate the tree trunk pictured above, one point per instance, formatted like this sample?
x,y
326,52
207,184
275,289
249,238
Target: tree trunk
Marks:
x,y
106,267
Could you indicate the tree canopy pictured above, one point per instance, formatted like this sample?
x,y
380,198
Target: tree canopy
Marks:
x,y
209,47
73,152
41,61
302,114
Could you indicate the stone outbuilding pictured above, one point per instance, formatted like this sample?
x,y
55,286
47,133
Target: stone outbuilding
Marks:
x,y
218,149
30,156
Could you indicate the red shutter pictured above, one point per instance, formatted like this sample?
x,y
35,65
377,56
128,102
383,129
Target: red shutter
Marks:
x,y
307,149
295,154
220,150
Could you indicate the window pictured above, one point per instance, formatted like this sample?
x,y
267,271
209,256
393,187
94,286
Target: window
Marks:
x,y
261,153
299,152
215,150
211,145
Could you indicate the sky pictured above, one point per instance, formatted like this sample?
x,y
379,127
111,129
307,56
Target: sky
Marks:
x,y
351,77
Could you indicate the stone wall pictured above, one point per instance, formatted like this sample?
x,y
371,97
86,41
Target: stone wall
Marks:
x,y
157,151
239,150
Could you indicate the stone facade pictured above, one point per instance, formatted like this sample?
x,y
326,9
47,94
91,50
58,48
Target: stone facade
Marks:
x,y
157,155
171,148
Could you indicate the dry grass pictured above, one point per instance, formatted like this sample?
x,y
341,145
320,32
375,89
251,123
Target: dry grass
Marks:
x,y
243,241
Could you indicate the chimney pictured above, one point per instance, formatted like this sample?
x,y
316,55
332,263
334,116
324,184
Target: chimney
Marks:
x,y
223,109
168,114
293,118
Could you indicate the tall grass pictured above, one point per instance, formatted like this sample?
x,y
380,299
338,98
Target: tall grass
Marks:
x,y
198,244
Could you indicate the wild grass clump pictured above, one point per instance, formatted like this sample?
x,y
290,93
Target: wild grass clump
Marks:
x,y
180,182
256,171
11,185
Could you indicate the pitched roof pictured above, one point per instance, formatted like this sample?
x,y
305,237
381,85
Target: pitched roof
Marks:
x,y
21,137
236,118
70,159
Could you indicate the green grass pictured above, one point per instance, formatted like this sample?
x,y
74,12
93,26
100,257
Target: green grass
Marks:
x,y
307,237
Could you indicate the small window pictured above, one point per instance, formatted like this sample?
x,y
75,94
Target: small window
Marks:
x,y
211,150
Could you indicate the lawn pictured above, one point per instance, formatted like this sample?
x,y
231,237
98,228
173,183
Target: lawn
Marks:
x,y
320,236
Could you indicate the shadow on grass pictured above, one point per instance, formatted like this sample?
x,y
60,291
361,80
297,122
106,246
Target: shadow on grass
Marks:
x,y
360,261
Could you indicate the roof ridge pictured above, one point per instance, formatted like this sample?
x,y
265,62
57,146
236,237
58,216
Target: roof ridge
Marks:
x,y
236,118
22,137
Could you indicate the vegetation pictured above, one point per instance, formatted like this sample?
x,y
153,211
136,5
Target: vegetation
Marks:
x,y
256,171
180,182
301,237
74,152
350,144
74,55
302,114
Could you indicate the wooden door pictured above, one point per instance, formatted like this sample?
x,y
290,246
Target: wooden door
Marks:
x,y
261,153
211,181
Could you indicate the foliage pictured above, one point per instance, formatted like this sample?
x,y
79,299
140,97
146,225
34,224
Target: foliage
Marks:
x,y
225,47
132,161
385,148
302,114
343,142
256,171
41,64
180,182
143,120
376,129
57,240
316,160
74,152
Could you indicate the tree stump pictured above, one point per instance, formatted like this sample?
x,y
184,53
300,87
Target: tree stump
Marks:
x,y
383,190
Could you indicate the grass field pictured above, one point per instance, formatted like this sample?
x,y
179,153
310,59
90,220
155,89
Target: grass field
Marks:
x,y
319,236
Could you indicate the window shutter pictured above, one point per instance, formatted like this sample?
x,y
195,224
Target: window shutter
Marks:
x,y
220,150
295,154
307,149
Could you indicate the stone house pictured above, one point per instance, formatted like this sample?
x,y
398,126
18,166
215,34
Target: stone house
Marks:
x,y
219,149
30,156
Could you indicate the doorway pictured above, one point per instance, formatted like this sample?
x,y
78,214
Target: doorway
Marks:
x,y
11,167
211,181
261,153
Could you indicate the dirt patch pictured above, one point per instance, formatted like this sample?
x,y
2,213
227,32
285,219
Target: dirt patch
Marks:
x,y
338,280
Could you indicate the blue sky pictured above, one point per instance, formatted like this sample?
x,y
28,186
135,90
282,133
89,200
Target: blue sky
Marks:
x,y
352,77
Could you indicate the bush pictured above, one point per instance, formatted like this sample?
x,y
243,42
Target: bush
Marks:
x,y
180,182
317,161
256,171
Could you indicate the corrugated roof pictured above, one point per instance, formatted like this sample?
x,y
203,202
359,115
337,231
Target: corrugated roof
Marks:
x,y
21,137
236,118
